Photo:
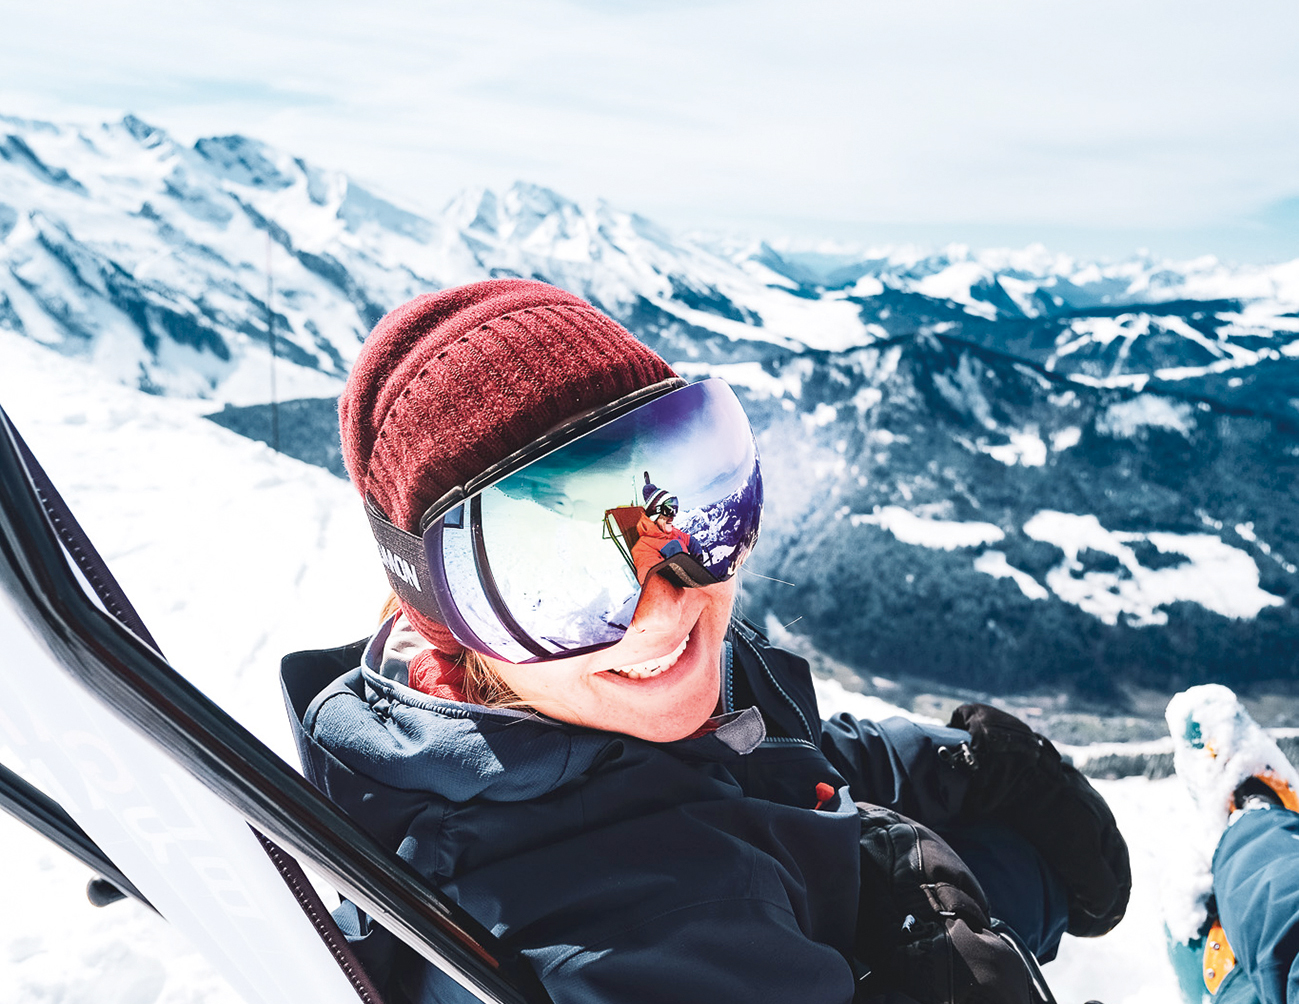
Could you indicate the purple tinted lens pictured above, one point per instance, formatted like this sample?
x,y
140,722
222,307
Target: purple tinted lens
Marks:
x,y
550,560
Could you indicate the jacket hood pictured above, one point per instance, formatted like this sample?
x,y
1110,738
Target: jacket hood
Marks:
x,y
376,725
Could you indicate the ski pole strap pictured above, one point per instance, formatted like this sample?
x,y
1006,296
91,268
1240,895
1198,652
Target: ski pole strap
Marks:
x,y
1007,934
78,546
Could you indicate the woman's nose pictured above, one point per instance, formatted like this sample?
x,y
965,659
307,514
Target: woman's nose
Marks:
x,y
661,607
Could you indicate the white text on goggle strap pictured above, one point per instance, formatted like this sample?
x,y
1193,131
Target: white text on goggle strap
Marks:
x,y
399,567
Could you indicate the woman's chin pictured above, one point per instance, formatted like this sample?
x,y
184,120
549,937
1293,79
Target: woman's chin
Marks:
x,y
678,723
674,705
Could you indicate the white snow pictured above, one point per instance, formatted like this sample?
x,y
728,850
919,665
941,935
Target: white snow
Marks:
x,y
868,285
954,283
752,376
822,416
190,232
867,398
1126,418
233,556
1063,439
1216,746
1130,964
1025,449
1215,575
1022,292
833,697
943,534
1128,381
58,948
994,563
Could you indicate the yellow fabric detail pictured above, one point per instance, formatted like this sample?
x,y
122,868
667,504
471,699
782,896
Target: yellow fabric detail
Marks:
x,y
1219,959
1283,790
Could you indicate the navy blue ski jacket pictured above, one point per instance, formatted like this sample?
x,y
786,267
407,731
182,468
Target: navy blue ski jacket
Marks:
x,y
708,869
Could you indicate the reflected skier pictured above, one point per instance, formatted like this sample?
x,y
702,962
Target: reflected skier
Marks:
x,y
657,539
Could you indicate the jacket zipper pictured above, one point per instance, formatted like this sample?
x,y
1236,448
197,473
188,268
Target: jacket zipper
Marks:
x,y
771,678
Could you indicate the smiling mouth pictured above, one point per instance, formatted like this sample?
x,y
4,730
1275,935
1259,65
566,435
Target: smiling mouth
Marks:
x,y
655,667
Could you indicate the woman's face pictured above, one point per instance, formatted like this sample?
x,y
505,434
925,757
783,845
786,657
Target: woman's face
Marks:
x,y
661,682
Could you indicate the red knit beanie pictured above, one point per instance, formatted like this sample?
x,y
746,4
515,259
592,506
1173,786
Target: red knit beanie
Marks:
x,y
453,382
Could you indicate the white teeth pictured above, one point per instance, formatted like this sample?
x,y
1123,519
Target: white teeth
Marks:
x,y
645,670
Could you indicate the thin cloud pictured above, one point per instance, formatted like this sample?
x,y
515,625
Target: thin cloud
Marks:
x,y
1170,116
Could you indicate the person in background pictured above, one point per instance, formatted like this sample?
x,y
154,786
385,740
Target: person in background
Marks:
x,y
1246,948
650,808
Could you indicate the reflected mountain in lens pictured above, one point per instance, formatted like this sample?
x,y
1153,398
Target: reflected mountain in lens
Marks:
x,y
735,518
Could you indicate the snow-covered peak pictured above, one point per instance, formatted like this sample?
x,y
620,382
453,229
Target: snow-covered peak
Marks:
x,y
154,259
475,210
246,162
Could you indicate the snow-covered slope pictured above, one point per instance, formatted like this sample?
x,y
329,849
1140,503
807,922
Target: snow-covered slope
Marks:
x,y
952,513
234,556
152,258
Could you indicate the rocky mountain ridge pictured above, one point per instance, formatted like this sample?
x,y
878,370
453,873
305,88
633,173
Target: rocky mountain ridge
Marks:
x,y
1007,469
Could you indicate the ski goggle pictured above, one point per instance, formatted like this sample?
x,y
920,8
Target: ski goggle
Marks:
x,y
544,555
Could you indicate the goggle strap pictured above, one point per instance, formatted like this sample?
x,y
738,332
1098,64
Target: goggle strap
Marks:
x,y
405,562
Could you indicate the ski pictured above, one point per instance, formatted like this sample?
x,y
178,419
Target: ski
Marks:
x,y
175,828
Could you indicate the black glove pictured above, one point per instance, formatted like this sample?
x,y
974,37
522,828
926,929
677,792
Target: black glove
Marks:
x,y
923,930
1018,780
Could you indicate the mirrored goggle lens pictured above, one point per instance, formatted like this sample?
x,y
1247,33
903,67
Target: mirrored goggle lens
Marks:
x,y
549,561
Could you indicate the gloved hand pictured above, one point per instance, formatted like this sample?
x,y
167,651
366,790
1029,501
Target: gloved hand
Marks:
x,y
1017,779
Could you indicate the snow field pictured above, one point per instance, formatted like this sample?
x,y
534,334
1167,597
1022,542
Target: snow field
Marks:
x,y
55,948
1130,964
234,556
1214,574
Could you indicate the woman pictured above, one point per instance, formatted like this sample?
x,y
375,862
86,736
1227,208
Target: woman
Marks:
x,y
624,783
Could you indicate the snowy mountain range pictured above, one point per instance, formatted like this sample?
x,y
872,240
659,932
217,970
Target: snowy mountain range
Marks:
x,y
152,257
1010,468
1001,470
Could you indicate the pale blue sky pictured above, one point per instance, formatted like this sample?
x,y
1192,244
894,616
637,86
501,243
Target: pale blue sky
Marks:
x,y
1094,127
